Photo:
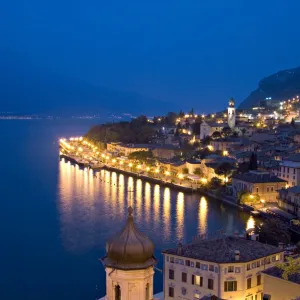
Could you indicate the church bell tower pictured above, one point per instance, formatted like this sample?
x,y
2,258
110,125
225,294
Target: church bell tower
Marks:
x,y
129,264
231,114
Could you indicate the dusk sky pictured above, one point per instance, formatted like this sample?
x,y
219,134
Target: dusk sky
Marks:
x,y
190,53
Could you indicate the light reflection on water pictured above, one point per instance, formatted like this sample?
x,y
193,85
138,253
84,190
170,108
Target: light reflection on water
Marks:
x,y
92,208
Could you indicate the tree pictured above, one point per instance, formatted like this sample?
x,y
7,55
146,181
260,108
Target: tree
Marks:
x,y
225,169
248,199
293,123
206,141
171,118
181,114
141,155
197,171
226,131
290,267
216,135
243,130
273,231
185,171
253,161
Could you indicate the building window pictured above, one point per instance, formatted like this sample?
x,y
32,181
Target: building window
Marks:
x,y
183,277
258,264
211,268
231,269
248,267
258,279
268,261
249,297
187,262
117,292
237,270
197,296
147,292
257,190
167,258
198,265
249,283
171,259
210,284
272,189
267,189
277,257
171,292
230,286
204,267
197,280
253,265
171,274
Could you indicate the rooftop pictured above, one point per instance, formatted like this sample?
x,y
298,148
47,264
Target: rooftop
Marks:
x,y
257,177
294,189
276,272
222,250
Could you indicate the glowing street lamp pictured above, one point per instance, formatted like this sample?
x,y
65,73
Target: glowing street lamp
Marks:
x,y
147,169
180,176
167,173
204,180
157,170
130,165
225,153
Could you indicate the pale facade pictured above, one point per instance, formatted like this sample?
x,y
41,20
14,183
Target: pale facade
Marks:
x,y
130,285
289,171
260,183
289,200
208,128
122,149
280,289
189,278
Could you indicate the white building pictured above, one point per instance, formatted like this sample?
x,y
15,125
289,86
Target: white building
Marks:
x,y
227,268
289,170
289,200
207,128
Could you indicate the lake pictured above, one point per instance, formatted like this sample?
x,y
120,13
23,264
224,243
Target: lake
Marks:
x,y
56,217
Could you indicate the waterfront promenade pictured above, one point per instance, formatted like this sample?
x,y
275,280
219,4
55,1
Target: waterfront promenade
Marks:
x,y
86,154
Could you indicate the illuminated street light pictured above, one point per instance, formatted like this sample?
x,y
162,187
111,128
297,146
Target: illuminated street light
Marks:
x,y
180,176
167,173
130,165
225,153
147,169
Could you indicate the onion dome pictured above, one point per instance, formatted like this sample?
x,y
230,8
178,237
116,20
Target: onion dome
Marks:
x,y
130,249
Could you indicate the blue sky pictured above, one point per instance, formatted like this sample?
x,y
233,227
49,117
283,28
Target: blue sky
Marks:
x,y
189,53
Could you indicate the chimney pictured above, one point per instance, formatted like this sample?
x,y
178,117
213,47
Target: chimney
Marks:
x,y
179,249
237,255
281,246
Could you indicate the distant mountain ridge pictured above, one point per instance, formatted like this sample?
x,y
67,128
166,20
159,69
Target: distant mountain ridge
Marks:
x,y
25,90
279,86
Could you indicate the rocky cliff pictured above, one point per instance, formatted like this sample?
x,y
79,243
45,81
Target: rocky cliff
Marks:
x,y
280,86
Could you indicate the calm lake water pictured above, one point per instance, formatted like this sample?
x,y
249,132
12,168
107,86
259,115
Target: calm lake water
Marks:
x,y
56,218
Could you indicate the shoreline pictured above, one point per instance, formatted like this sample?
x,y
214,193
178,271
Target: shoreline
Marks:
x,y
172,185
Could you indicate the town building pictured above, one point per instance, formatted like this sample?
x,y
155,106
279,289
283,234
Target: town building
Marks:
x,y
129,263
225,268
278,288
231,114
258,182
207,128
165,151
289,200
289,170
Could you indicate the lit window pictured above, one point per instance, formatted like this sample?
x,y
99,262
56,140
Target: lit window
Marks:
x,y
277,257
184,277
197,280
197,296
